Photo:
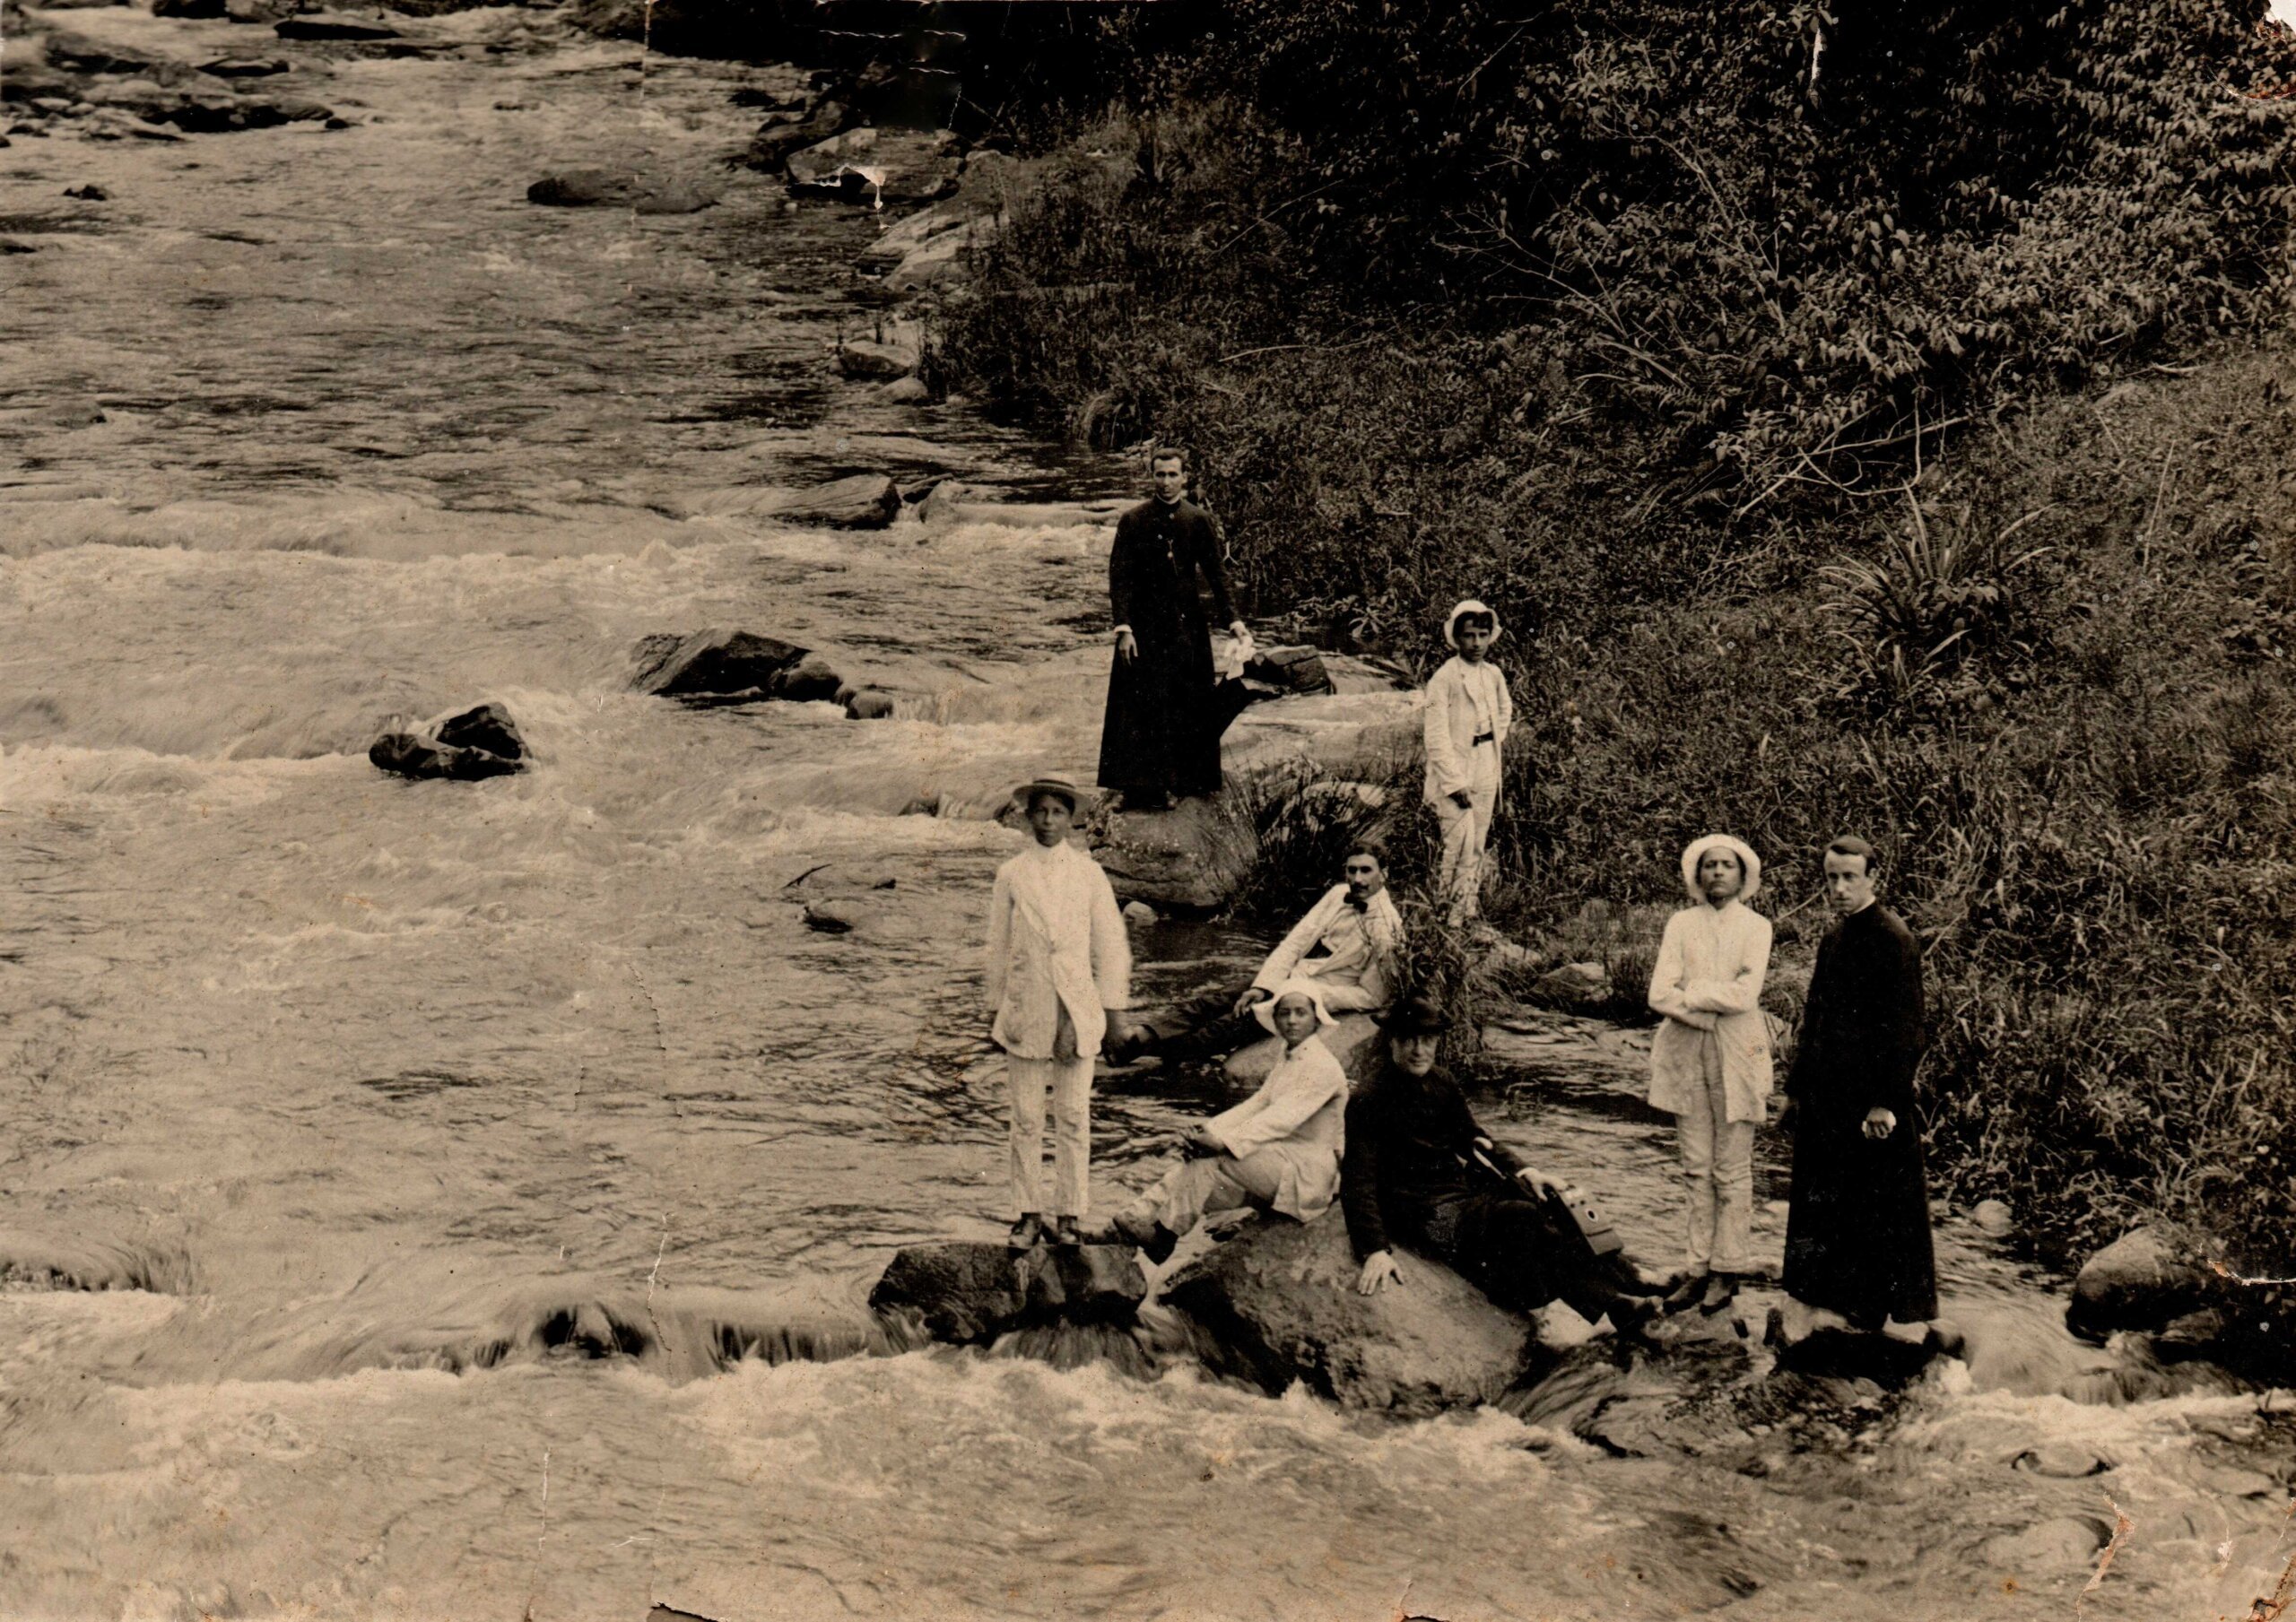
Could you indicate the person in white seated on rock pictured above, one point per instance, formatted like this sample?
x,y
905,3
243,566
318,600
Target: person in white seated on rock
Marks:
x,y
1346,945
1278,1150
1059,976
1709,1059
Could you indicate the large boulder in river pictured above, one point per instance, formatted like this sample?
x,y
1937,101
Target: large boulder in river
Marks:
x,y
1279,1303
2144,1280
1193,855
726,666
619,188
874,165
868,361
475,743
971,1293
859,501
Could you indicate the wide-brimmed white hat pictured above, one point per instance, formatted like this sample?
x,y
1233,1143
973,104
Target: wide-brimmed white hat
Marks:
x,y
1061,787
1747,861
1473,605
1265,1010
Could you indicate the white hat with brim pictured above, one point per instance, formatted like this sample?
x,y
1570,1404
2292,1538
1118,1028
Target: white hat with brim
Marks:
x,y
1471,606
1749,864
1264,1010
1060,787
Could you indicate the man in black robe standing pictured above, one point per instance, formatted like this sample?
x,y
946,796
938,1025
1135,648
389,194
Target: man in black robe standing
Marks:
x,y
1858,1237
1160,737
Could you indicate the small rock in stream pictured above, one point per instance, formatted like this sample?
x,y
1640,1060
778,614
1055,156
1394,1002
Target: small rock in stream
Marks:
x,y
324,26
612,188
90,193
472,744
722,665
870,362
971,1293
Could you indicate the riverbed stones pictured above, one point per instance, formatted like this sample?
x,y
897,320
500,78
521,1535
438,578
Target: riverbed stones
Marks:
x,y
971,1293
723,666
1279,1305
867,361
780,135
1192,856
1288,669
869,704
472,744
2146,1279
858,501
874,165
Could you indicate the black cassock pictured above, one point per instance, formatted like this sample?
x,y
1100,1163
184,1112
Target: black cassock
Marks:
x,y
1162,731
1857,1237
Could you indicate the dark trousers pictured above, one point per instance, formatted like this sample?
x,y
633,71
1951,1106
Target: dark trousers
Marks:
x,y
1517,1253
1204,1026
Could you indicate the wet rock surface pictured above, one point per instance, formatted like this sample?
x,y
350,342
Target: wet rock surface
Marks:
x,y
1279,1302
2147,1279
467,746
972,1293
1191,856
722,665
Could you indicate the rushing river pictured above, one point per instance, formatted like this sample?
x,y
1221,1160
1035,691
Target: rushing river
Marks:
x,y
470,1184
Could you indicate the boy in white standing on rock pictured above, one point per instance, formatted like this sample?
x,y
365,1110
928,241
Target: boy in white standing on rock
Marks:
x,y
1059,975
1468,715
1709,1061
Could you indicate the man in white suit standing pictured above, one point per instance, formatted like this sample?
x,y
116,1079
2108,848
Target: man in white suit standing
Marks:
x,y
1059,975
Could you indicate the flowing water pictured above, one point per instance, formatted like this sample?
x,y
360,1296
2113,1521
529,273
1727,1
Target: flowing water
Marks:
x,y
445,1199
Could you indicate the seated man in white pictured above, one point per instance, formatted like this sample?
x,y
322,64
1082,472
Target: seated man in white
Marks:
x,y
1345,947
1277,1150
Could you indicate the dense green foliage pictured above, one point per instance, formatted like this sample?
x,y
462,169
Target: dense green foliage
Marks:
x,y
1782,437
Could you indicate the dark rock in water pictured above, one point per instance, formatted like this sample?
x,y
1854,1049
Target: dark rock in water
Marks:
x,y
720,666
481,743
1193,855
973,1293
908,96
90,193
834,915
260,11
322,26
1841,1354
1280,1303
2146,1279
488,727
861,501
243,67
869,705
614,188
810,680
1291,670
186,8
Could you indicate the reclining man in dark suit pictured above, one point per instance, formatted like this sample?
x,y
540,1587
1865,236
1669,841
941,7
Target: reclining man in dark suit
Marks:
x,y
1410,1176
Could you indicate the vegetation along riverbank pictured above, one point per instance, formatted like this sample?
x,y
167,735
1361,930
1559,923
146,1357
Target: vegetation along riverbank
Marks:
x,y
1884,426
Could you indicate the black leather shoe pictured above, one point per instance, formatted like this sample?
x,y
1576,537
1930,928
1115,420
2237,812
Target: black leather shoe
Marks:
x,y
1159,1245
1065,1234
1028,1233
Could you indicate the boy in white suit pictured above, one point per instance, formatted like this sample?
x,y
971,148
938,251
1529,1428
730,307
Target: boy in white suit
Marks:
x,y
1467,714
1059,975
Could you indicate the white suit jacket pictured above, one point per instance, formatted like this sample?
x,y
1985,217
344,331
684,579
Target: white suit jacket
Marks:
x,y
1055,940
1712,961
1358,974
1462,700
1299,1117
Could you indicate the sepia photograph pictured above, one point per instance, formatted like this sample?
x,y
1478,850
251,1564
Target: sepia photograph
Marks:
x,y
1165,810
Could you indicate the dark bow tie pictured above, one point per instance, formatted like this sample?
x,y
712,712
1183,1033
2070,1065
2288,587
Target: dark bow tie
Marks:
x,y
1358,902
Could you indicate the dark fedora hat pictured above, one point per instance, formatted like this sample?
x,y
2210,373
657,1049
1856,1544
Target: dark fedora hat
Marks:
x,y
1415,1016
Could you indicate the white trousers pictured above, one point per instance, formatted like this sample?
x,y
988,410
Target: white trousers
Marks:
x,y
1466,832
1718,1172
1195,1189
1071,1084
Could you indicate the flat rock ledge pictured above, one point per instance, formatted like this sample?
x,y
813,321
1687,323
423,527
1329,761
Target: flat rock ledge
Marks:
x,y
1278,1304
970,1294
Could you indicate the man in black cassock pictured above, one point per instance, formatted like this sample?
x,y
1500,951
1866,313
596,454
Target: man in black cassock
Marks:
x,y
1161,736
1857,1237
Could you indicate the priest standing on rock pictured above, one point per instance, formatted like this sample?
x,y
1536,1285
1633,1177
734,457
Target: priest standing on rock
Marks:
x,y
1858,1236
1160,737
